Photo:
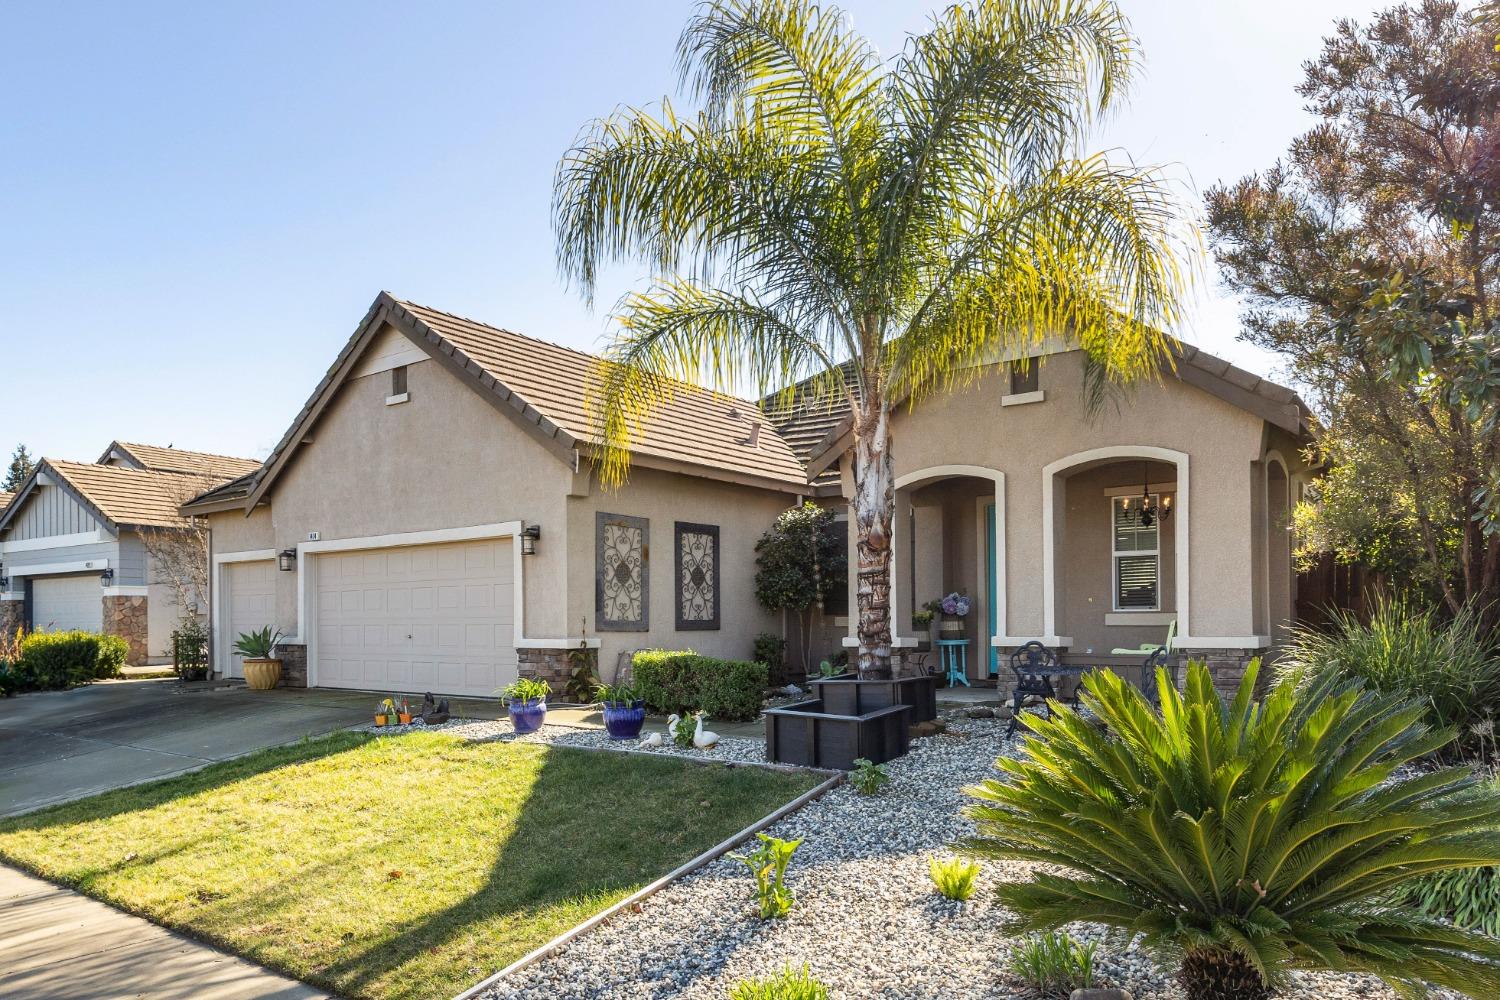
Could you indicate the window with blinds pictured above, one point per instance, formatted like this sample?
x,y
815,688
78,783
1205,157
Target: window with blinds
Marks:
x,y
1136,557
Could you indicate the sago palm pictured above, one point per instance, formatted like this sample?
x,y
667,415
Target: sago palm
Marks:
x,y
911,219
1245,840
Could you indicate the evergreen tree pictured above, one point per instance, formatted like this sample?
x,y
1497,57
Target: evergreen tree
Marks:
x,y
21,464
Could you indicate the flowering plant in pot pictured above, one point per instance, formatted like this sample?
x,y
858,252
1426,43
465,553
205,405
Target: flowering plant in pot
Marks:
x,y
385,712
624,712
955,608
258,652
526,701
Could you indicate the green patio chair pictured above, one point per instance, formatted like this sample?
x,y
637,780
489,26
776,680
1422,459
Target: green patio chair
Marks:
x,y
1150,648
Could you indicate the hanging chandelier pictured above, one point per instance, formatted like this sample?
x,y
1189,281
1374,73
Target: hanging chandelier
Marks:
x,y
1151,509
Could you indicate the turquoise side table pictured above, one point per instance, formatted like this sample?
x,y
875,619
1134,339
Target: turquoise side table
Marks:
x,y
955,654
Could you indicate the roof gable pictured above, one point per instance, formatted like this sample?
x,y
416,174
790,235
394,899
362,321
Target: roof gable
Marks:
x,y
544,388
118,497
823,434
169,459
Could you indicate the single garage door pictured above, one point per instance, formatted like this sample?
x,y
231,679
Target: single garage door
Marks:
x,y
421,618
59,603
249,603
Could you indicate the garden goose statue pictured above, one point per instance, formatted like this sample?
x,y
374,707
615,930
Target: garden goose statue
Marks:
x,y
672,721
702,738
651,741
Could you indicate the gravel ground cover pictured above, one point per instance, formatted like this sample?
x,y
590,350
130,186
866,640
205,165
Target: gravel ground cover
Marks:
x,y
867,921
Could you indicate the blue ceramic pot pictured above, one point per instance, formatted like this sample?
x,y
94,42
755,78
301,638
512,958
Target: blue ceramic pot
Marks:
x,y
622,721
527,715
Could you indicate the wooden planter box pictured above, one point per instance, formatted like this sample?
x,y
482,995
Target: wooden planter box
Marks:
x,y
849,696
807,735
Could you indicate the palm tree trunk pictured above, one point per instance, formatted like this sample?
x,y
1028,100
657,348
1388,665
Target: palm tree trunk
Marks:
x,y
1220,974
874,510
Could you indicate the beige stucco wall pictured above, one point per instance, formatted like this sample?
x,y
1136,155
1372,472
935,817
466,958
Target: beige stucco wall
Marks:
x,y
1086,576
1224,443
742,514
446,459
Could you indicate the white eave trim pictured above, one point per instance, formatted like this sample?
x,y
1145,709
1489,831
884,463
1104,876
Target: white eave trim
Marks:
x,y
52,569
55,542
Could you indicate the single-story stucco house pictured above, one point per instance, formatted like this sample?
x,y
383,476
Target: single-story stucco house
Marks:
x,y
431,519
73,550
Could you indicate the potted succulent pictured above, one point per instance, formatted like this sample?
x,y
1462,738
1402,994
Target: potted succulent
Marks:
x,y
624,712
526,701
921,628
258,648
403,712
385,713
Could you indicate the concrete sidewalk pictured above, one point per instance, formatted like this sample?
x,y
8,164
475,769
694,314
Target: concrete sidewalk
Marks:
x,y
58,945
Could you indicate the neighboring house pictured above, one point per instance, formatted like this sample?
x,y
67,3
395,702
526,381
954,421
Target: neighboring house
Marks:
x,y
431,520
73,543
5,499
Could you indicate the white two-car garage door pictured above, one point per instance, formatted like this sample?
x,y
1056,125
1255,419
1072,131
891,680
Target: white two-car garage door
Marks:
x,y
59,603
420,618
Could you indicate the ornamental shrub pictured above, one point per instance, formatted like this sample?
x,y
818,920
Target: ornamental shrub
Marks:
x,y
1243,841
51,660
684,682
1452,666
1470,897
1053,965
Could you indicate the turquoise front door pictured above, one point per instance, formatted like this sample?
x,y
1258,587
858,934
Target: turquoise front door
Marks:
x,y
989,586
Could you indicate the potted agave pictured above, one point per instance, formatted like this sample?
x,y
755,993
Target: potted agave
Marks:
x,y
526,701
624,712
258,649
385,713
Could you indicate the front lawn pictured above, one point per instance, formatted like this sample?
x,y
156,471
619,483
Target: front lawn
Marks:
x,y
392,867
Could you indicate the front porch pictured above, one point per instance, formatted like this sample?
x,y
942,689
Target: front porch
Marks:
x,y
1098,555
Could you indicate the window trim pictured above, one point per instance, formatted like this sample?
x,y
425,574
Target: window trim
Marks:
x,y
1116,554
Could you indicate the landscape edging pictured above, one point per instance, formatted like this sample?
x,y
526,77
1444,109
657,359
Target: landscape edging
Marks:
x,y
712,854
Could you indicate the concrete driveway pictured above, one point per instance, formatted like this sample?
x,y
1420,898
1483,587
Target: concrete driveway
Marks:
x,y
63,745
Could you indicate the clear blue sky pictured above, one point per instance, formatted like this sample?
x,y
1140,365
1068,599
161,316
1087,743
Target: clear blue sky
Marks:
x,y
200,200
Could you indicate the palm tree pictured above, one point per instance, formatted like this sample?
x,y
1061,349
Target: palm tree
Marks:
x,y
912,219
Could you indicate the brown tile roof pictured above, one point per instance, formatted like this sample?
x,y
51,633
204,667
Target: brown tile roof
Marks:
x,y
198,463
131,496
805,420
695,427
5,499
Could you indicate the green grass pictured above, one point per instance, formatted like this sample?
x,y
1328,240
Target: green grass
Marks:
x,y
392,867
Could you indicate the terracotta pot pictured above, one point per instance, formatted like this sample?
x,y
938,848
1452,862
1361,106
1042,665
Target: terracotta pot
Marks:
x,y
405,718
262,675
381,720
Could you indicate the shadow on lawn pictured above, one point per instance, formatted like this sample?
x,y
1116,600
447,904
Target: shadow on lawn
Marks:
x,y
559,854
160,792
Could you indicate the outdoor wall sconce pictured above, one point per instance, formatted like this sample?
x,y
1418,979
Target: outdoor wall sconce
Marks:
x,y
106,575
529,535
286,560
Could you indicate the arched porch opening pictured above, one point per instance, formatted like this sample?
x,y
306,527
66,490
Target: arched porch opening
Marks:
x,y
950,537
1116,548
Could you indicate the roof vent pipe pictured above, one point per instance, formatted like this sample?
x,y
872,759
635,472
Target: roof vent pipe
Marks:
x,y
754,439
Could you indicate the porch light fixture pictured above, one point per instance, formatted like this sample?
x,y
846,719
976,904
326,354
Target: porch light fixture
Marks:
x,y
529,535
106,575
1151,510
286,560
